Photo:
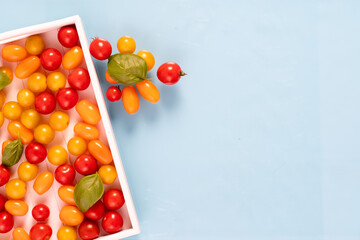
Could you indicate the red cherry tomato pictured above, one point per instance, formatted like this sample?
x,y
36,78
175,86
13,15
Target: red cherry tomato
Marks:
x,y
96,212
113,94
45,103
2,202
67,98
68,36
112,222
114,199
169,73
40,231
50,59
65,174
100,48
6,222
4,175
85,164
79,79
35,153
40,212
88,230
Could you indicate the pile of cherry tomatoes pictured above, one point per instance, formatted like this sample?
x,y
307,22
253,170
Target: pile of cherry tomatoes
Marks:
x,y
46,88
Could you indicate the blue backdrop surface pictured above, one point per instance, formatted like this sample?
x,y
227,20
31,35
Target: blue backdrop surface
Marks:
x,y
261,140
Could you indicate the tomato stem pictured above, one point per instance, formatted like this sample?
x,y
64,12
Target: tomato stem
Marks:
x,y
182,74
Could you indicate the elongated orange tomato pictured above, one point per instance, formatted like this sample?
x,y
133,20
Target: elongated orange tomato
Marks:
x,y
27,67
130,99
71,216
66,193
20,234
86,131
148,91
43,182
73,58
13,53
109,79
16,207
100,151
88,111
16,128
5,143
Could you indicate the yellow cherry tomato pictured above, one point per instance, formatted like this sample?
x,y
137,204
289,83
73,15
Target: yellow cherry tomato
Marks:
x,y
43,182
76,146
148,91
88,111
86,131
130,99
44,134
8,72
37,82
1,119
30,118
66,193
55,81
126,44
107,174
13,53
59,121
26,98
71,215
16,207
100,151
27,171
2,98
109,79
73,58
4,144
20,234
12,110
34,45
57,155
148,57
16,128
15,189
27,67
66,233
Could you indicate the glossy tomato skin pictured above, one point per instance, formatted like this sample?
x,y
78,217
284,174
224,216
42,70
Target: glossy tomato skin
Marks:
x,y
79,79
6,222
113,94
2,202
96,212
114,199
67,98
40,212
100,49
88,230
45,103
169,73
112,222
50,59
68,36
65,174
40,231
85,164
4,175
35,153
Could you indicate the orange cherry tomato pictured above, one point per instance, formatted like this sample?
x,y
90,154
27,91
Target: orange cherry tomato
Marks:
x,y
130,99
16,128
109,79
20,234
16,207
27,67
13,53
8,72
86,131
73,58
5,143
71,216
148,91
100,151
66,193
88,111
43,182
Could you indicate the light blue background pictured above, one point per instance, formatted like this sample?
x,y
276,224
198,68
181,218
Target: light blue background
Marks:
x,y
261,139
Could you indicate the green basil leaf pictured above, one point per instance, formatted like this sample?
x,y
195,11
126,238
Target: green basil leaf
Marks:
x,y
4,80
88,191
12,153
127,68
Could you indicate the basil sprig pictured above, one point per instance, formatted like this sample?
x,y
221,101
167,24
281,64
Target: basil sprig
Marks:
x,y
12,153
4,80
88,191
